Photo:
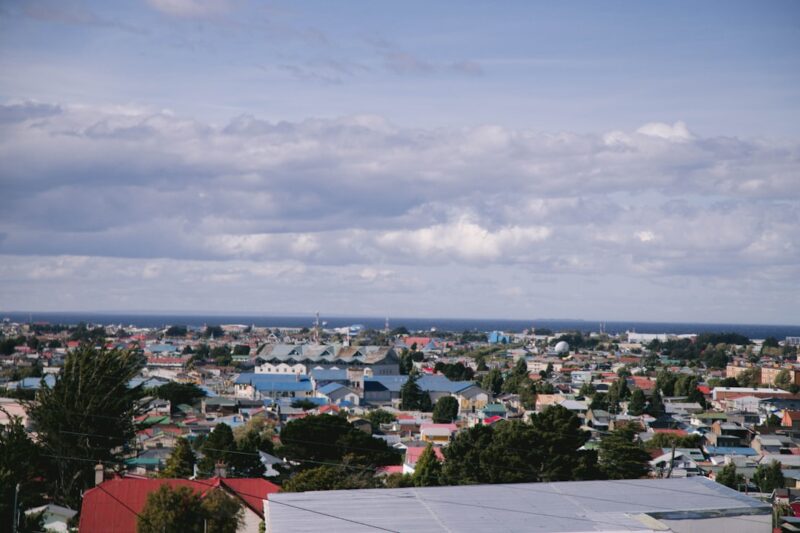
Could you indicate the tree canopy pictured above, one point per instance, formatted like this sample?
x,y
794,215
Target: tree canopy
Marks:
x,y
621,457
180,509
445,410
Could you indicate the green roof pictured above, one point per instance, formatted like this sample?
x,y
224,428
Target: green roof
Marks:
x,y
712,416
494,408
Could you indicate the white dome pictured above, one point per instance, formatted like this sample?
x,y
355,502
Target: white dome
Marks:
x,y
562,347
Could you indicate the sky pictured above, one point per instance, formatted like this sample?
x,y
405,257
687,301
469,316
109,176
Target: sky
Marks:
x,y
590,160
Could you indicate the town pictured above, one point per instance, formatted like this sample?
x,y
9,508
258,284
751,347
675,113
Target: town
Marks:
x,y
123,428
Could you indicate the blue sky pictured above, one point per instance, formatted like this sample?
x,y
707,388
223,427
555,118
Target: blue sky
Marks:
x,y
609,160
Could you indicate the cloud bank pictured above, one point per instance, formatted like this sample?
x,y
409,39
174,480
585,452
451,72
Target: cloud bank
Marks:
x,y
386,210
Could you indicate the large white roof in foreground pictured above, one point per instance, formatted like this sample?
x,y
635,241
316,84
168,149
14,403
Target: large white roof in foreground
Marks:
x,y
629,505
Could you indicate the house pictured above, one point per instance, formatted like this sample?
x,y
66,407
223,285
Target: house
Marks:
x,y
437,433
471,398
679,505
791,419
337,393
113,505
413,454
684,464
260,386
54,517
302,358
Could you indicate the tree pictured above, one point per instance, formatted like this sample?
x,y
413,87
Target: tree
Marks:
x,y
86,417
176,331
769,477
599,402
377,417
560,438
182,509
666,440
222,512
170,510
329,478
617,392
587,390
445,410
218,447
330,438
750,377
428,471
621,457
728,476
783,380
179,393
180,463
412,397
637,404
656,406
19,463
493,381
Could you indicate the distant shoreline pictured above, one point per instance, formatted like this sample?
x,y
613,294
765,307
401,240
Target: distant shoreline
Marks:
x,y
753,331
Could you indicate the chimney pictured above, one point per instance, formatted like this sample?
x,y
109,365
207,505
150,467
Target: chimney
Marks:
x,y
220,470
99,474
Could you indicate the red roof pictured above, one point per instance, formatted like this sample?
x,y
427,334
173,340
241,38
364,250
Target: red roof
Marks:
x,y
644,383
112,506
391,469
705,389
414,452
491,420
679,432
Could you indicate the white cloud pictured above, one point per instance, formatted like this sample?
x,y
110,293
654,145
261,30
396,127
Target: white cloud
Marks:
x,y
191,8
671,132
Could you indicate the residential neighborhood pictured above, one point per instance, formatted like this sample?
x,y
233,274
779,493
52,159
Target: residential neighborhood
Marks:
x,y
247,412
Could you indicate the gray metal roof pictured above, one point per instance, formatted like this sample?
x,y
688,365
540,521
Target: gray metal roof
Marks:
x,y
550,507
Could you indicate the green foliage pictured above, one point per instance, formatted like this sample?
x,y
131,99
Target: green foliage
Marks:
x,y
398,481
637,404
181,509
577,340
19,463
656,406
428,470
769,477
170,510
547,449
329,478
455,371
783,380
599,402
617,392
176,331
621,457
178,393
728,477
330,438
215,331
445,410
304,404
749,378
241,349
666,440
493,381
86,417
180,463
412,397
377,417
587,390
218,447
560,436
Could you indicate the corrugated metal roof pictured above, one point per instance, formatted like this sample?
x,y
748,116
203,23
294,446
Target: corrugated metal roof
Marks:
x,y
550,507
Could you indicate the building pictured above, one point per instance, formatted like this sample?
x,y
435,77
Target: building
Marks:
x,y
645,505
303,358
263,386
113,505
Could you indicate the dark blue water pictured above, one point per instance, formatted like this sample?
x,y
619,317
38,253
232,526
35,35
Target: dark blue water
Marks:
x,y
754,331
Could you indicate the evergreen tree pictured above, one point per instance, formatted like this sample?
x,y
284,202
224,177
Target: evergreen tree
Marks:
x,y
587,390
86,417
222,513
493,381
412,397
728,476
559,439
621,457
617,392
656,406
180,463
216,448
428,471
329,478
599,402
769,477
445,410
19,463
637,404
181,509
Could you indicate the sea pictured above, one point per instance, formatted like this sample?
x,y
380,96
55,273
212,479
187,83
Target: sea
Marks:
x,y
753,331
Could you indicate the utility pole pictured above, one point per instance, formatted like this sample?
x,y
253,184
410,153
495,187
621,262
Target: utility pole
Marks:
x,y
16,515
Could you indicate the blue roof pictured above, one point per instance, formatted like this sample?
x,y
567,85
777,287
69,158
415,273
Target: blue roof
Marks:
x,y
392,383
161,348
442,384
330,387
254,378
323,374
33,383
730,450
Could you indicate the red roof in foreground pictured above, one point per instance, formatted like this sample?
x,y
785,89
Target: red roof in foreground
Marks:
x,y
112,505
679,432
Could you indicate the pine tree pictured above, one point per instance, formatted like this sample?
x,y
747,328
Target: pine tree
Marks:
x,y
621,457
637,404
656,407
180,463
446,410
427,472
217,447
728,476
769,477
